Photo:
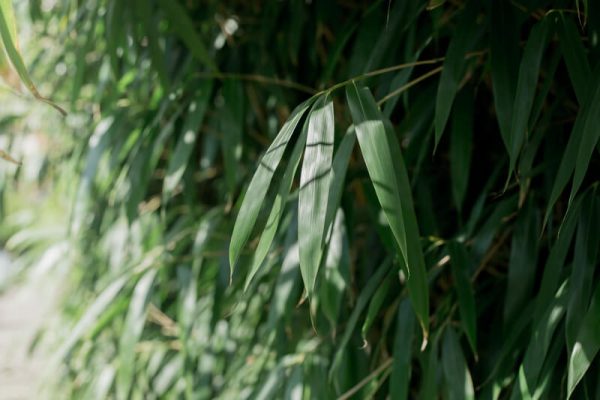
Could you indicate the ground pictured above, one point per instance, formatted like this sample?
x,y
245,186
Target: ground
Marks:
x,y
24,308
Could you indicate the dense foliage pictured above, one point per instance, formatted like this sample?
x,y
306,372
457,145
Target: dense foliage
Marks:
x,y
329,199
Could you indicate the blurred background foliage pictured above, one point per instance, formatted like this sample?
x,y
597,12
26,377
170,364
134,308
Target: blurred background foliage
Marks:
x,y
427,248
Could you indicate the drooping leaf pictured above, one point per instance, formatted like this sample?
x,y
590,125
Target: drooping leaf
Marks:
x,y
381,152
522,262
573,51
260,182
587,242
461,143
8,33
459,384
365,295
467,33
586,345
580,145
184,27
401,367
185,144
315,178
503,50
529,71
132,330
279,205
461,265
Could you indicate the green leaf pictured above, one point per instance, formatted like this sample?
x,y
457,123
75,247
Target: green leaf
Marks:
x,y
375,306
556,260
338,177
281,197
381,152
95,310
401,368
572,48
461,267
8,33
183,25
132,331
522,262
504,41
587,242
542,336
365,295
187,140
232,126
144,11
315,178
337,275
580,147
463,40
586,346
529,71
459,384
461,144
244,224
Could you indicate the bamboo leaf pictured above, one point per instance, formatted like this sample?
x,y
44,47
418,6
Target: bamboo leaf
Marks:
x,y
375,307
381,152
459,384
315,178
573,51
587,242
184,27
279,204
8,33
365,294
580,146
260,182
461,266
529,71
185,144
132,331
522,263
503,50
461,143
405,329
586,345
464,39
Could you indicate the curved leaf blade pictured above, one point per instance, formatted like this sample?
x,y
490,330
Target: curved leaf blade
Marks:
x,y
260,182
315,178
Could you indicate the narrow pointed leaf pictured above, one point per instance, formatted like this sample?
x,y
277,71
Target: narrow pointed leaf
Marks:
x,y
586,346
580,146
401,368
456,372
529,71
504,49
461,144
132,330
573,51
183,25
461,267
244,224
8,33
383,158
279,204
466,35
187,141
315,179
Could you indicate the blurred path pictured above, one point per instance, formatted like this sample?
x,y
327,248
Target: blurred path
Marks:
x,y
23,310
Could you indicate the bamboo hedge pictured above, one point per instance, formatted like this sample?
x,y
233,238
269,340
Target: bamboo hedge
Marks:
x,y
329,199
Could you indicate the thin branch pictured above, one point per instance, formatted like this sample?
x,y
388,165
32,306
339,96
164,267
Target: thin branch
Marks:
x,y
366,380
258,78
410,84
